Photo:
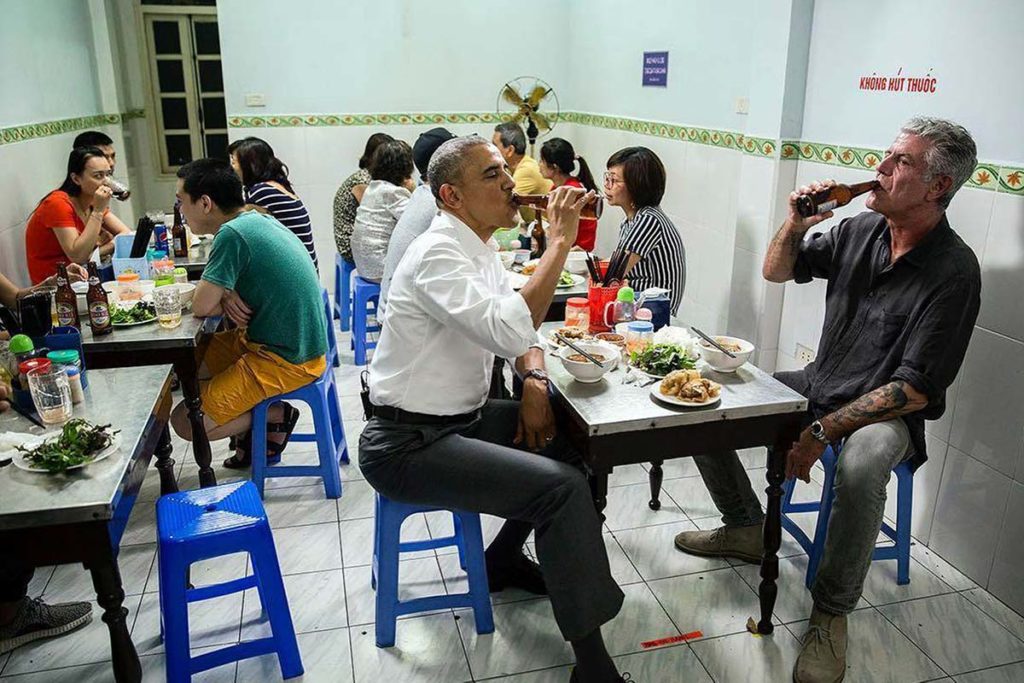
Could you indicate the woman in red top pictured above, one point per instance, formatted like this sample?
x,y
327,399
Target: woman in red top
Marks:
x,y
557,162
70,222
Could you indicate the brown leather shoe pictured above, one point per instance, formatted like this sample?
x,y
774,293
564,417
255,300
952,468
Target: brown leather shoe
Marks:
x,y
741,542
823,653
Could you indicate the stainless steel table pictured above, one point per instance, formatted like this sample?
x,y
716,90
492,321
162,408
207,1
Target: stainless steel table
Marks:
x,y
151,344
198,257
48,519
617,424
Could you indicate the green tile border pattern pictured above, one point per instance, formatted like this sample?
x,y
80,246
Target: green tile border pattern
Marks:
x,y
986,176
725,139
32,131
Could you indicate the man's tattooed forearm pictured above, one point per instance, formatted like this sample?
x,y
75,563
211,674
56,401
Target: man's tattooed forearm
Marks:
x,y
884,403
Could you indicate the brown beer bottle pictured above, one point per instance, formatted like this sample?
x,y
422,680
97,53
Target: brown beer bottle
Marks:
x,y
817,203
98,304
539,237
66,299
592,209
179,236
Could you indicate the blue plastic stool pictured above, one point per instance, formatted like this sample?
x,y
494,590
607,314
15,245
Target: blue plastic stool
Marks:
x,y
329,429
213,522
366,292
343,270
816,548
387,547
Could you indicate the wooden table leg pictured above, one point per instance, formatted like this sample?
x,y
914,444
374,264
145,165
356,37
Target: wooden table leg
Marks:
x,y
187,368
106,579
768,590
165,463
599,489
656,476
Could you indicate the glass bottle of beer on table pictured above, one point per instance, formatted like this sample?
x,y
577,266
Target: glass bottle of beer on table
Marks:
x,y
66,299
98,304
179,235
833,197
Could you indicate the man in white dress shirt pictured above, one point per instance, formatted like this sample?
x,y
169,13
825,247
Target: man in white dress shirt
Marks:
x,y
436,439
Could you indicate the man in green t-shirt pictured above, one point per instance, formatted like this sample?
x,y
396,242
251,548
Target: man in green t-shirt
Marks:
x,y
260,276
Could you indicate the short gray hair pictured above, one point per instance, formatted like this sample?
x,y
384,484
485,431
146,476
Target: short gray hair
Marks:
x,y
512,135
952,153
447,164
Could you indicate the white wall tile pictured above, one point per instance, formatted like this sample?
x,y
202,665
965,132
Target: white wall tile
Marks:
x,y
1005,581
988,419
1002,278
926,491
746,287
940,428
970,214
754,193
969,514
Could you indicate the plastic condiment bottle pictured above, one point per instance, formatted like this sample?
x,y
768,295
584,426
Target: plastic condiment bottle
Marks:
x,y
75,382
639,335
128,287
66,357
180,276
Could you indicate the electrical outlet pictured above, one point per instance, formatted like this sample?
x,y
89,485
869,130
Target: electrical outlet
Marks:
x,y
255,100
742,105
804,354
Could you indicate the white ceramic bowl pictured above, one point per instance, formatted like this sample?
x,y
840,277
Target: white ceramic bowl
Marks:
x,y
576,262
507,258
187,290
146,286
721,362
585,371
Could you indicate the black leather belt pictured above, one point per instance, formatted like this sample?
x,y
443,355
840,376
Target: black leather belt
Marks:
x,y
406,417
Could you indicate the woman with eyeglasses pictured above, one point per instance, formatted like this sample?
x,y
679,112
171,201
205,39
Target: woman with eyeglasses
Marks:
x,y
635,181
73,220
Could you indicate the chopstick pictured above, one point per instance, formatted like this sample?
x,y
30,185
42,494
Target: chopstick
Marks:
x,y
613,265
713,343
27,415
595,275
579,350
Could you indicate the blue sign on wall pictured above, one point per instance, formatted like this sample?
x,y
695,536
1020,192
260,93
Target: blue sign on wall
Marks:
x,y
655,69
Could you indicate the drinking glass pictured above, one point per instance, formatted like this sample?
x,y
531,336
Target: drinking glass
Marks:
x,y
51,394
167,301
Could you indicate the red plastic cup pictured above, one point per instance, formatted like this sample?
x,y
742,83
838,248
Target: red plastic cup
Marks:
x,y
598,298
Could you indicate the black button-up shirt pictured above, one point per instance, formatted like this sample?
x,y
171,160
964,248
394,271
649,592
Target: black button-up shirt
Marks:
x,y
910,320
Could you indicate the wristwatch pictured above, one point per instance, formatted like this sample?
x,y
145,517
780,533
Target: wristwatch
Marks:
x,y
818,432
536,373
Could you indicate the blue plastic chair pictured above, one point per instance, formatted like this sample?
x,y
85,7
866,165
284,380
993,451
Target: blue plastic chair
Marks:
x,y
213,522
343,290
387,548
366,293
329,429
815,548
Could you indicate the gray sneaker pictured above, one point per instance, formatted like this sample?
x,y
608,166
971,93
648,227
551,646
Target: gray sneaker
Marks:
x,y
36,619
823,652
741,542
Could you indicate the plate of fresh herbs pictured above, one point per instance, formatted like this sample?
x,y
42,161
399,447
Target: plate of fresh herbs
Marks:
x,y
141,313
77,444
658,360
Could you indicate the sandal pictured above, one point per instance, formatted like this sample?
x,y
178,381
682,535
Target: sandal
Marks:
x,y
243,442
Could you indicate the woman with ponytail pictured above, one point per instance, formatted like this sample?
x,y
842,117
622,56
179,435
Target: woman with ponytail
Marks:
x,y
557,162
268,190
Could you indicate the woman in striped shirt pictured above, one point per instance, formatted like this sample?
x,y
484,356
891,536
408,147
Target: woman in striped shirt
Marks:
x,y
635,181
265,179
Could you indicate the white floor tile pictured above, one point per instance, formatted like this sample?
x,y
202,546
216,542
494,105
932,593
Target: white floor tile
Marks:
x,y
715,603
628,507
210,622
357,539
357,500
942,569
628,474
877,652
691,494
748,657
641,619
958,636
311,548
316,602
154,671
40,578
1011,673
652,550
525,637
427,650
1007,618
207,572
880,587
73,582
326,658
676,468
416,579
299,506
455,581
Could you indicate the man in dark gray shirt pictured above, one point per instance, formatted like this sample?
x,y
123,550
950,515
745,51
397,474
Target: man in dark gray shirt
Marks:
x,y
903,295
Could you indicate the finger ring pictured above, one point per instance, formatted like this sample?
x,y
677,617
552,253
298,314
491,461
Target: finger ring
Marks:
x,y
549,438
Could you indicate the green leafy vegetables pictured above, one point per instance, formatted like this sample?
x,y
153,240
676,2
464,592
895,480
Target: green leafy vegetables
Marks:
x,y
565,279
78,443
661,359
139,313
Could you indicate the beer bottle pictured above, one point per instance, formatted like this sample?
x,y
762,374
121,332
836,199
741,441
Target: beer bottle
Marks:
x,y
179,235
592,209
539,236
99,306
817,203
66,299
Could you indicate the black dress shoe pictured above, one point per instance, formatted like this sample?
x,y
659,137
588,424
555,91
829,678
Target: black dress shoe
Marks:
x,y
624,678
520,573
